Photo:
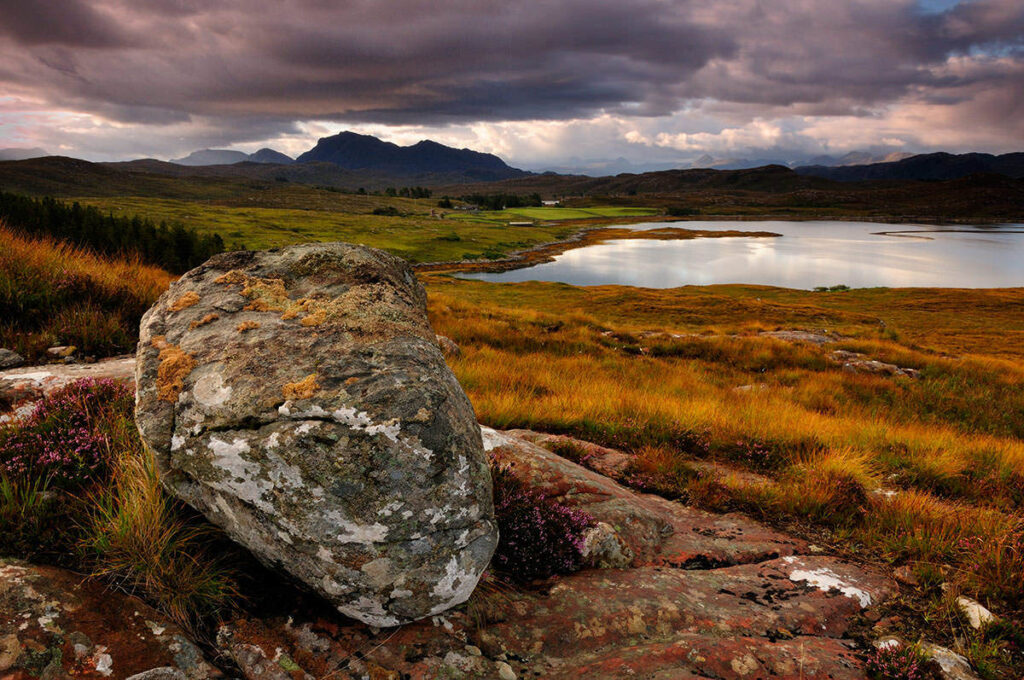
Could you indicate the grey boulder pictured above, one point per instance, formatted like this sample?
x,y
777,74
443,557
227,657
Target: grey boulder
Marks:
x,y
9,359
298,399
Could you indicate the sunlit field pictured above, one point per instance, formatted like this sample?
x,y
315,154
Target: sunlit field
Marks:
x,y
926,471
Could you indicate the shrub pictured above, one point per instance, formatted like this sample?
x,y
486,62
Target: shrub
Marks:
x,y
540,537
897,662
66,439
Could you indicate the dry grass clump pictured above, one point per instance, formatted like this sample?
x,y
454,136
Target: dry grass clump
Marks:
x,y
52,292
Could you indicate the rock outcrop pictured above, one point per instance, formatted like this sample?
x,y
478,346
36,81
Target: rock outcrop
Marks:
x,y
704,596
55,625
299,400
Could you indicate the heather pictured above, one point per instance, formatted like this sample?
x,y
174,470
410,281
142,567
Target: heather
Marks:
x,y
78,489
55,293
539,536
898,662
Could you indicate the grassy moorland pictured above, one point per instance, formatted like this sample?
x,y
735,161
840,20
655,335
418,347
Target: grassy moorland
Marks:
x,y
53,293
925,472
412,233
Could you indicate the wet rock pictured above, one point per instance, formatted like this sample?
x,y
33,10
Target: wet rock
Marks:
x,y
653,530
52,623
21,387
299,400
9,359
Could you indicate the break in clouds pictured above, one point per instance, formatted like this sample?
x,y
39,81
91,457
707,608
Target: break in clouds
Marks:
x,y
539,83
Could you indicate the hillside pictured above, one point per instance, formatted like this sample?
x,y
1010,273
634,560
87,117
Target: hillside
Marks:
x,y
932,166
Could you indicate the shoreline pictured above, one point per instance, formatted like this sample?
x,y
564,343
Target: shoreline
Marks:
x,y
591,234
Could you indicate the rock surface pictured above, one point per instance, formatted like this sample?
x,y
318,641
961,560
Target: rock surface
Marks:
x,y
674,613
55,625
299,400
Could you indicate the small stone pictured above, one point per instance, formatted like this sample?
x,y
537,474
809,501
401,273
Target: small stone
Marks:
x,y
448,347
473,650
9,359
905,575
976,614
505,671
10,650
61,351
163,673
954,666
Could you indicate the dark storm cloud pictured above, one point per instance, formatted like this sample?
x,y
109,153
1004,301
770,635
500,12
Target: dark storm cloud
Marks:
x,y
432,63
60,22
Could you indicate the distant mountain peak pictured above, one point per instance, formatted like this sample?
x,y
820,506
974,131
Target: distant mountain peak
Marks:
x,y
353,151
229,157
21,154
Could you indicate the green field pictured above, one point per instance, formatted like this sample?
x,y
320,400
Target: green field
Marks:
x,y
552,214
414,235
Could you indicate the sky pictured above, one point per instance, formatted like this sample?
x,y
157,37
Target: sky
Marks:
x,y
557,84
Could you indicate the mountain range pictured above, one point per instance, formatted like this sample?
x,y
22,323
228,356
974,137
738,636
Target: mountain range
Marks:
x,y
228,157
930,166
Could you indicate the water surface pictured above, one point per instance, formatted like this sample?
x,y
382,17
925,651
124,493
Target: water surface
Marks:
x,y
807,255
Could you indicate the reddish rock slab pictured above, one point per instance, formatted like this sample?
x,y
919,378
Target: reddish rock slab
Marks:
x,y
53,624
657,531
792,596
699,656
21,387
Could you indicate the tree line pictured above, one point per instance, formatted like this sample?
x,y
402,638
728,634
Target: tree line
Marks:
x,y
502,201
172,247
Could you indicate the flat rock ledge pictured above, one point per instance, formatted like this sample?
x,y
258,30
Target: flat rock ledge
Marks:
x,y
701,595
298,398
55,625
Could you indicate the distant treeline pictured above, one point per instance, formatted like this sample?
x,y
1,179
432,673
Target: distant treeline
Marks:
x,y
502,201
172,247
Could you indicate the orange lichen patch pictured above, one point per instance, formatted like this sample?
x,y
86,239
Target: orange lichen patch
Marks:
x,y
175,366
316,318
246,326
233,276
209,318
352,380
304,389
267,295
185,301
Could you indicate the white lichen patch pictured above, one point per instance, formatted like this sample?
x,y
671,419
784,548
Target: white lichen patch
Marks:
x,y
454,587
370,611
177,441
492,438
210,390
378,572
825,579
242,480
358,533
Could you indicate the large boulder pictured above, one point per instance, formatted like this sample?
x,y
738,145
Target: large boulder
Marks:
x,y
298,399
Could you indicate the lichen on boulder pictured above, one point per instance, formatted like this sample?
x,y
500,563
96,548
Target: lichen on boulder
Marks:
x,y
300,402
